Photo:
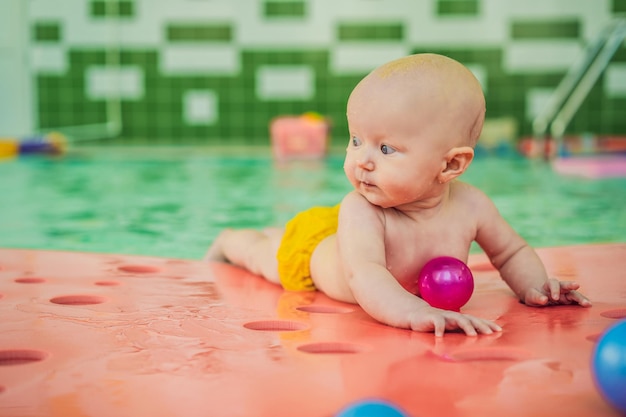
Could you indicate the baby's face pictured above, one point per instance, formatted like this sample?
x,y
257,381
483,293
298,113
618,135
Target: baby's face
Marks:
x,y
403,119
396,146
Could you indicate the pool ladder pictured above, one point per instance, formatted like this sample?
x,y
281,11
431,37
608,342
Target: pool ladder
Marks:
x,y
578,81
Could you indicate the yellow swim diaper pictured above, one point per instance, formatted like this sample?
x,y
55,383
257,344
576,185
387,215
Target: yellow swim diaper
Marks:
x,y
302,235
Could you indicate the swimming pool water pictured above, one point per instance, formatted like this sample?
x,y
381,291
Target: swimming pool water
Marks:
x,y
174,202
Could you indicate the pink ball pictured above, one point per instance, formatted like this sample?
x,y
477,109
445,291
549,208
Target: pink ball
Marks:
x,y
445,282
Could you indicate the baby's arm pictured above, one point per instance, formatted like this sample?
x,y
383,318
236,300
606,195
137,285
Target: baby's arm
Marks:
x,y
518,263
360,240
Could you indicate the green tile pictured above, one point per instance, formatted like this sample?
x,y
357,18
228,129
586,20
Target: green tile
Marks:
x,y
370,31
290,9
546,29
620,55
47,32
199,33
618,6
112,8
126,9
158,117
458,8
62,102
98,8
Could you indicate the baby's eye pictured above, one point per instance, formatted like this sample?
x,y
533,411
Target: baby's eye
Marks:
x,y
355,141
386,149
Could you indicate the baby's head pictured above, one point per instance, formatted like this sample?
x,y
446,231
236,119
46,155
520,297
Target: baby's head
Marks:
x,y
423,92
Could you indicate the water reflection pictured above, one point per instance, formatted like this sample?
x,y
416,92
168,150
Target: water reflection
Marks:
x,y
174,207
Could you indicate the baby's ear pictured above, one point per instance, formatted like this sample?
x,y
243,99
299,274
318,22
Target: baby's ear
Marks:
x,y
456,162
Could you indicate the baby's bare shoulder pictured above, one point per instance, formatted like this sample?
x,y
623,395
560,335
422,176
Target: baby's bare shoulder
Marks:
x,y
466,194
355,203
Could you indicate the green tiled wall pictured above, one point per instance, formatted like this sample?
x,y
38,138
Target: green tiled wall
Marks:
x,y
458,7
199,33
371,31
293,9
112,8
47,32
192,71
568,29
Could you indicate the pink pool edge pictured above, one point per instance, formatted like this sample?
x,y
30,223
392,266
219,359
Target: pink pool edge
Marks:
x,y
603,166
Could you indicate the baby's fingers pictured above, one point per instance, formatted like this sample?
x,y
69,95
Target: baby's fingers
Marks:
x,y
471,325
484,326
534,297
576,297
441,323
459,321
553,288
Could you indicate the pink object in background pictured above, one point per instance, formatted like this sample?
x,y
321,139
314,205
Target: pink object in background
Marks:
x,y
603,166
299,137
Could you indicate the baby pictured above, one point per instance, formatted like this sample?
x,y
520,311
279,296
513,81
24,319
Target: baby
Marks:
x,y
413,126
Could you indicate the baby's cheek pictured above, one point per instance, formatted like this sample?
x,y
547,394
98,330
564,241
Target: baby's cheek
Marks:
x,y
349,171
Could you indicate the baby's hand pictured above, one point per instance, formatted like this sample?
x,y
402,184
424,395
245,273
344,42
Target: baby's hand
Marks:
x,y
555,292
429,319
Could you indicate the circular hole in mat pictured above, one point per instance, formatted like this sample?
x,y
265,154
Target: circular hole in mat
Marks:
x,y
107,283
2,389
138,269
594,337
618,313
276,325
482,267
491,354
330,347
10,357
30,280
320,308
78,299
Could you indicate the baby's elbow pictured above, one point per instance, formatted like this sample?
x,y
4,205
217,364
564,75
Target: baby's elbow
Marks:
x,y
501,259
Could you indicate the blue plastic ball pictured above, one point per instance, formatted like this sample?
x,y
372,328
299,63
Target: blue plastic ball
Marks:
x,y
371,408
609,365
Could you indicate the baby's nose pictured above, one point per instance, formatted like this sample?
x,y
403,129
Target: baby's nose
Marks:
x,y
365,163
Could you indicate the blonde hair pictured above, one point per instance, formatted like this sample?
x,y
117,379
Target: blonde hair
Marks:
x,y
459,81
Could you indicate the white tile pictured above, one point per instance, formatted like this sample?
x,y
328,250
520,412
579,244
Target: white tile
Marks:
x,y
360,58
12,33
538,9
84,33
139,33
200,107
253,30
107,83
285,82
540,56
373,10
537,100
456,31
615,80
189,10
49,59
189,59
46,9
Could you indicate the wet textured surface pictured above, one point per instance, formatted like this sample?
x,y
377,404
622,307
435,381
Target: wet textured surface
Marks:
x,y
114,335
163,203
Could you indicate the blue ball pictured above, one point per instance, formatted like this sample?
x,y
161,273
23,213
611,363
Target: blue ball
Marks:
x,y
609,365
371,408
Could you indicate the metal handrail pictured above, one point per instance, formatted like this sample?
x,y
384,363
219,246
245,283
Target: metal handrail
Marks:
x,y
578,81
